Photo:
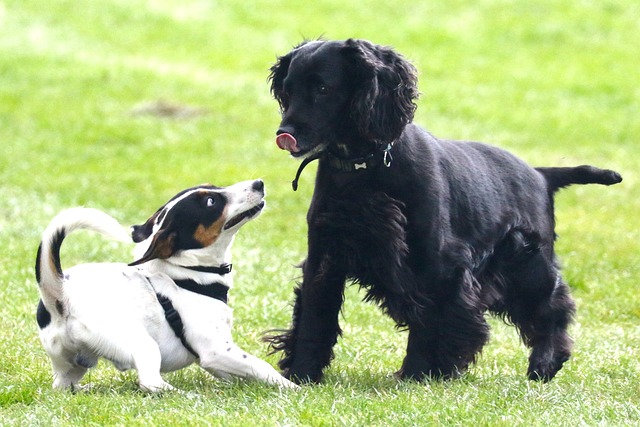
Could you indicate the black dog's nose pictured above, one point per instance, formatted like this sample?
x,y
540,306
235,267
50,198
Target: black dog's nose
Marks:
x,y
258,185
286,129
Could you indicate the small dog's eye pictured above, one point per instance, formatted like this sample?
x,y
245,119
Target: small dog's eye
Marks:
x,y
322,89
210,202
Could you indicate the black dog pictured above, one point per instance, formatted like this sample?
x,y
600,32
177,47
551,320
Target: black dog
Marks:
x,y
438,232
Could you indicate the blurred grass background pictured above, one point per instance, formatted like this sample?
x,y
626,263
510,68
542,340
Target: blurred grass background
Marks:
x,y
81,83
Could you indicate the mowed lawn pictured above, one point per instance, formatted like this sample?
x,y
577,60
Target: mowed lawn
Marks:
x,y
120,104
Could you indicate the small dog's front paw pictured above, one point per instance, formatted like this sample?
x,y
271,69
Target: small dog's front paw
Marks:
x,y
285,383
77,388
157,388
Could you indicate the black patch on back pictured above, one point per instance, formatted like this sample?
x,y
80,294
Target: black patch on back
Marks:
x,y
43,317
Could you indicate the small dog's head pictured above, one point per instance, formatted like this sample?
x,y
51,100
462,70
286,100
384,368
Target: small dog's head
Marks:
x,y
197,218
348,95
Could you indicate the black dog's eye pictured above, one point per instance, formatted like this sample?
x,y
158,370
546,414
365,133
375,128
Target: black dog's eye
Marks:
x,y
210,202
321,89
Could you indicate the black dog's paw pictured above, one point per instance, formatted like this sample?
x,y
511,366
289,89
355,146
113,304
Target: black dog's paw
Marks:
x,y
305,368
402,375
431,374
542,373
416,368
303,376
545,370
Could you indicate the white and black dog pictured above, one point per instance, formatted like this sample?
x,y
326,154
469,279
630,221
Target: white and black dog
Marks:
x,y
163,311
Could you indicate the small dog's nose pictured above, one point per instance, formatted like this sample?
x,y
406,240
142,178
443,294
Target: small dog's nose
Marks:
x,y
258,185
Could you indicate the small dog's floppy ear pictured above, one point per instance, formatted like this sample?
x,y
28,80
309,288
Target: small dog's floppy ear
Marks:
x,y
384,103
162,246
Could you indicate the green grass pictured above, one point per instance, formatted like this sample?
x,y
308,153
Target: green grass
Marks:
x,y
554,82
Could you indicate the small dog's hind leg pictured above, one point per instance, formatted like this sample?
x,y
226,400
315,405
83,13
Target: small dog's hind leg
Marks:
x,y
67,375
147,361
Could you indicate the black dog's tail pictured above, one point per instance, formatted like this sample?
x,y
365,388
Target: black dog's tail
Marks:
x,y
558,178
48,268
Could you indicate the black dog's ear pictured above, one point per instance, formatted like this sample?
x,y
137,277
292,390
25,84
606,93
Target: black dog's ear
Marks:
x,y
384,103
277,74
162,246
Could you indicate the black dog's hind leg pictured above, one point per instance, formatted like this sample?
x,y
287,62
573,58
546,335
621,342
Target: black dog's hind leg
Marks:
x,y
546,333
308,345
538,302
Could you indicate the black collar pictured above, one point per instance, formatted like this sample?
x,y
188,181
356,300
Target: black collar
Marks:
x,y
222,270
356,164
214,290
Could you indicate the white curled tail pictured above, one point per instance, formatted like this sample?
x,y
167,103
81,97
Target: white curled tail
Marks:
x,y
48,268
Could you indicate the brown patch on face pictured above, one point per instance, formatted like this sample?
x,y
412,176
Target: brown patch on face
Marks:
x,y
206,236
162,246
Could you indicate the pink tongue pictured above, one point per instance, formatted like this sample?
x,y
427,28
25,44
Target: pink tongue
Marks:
x,y
287,142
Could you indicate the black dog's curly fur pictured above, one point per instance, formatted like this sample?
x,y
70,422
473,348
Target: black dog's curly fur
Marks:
x,y
438,232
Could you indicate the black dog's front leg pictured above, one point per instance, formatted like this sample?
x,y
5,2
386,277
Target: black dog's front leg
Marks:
x,y
308,345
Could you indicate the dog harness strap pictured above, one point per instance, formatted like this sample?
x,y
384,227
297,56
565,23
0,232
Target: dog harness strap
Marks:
x,y
214,290
175,321
222,270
